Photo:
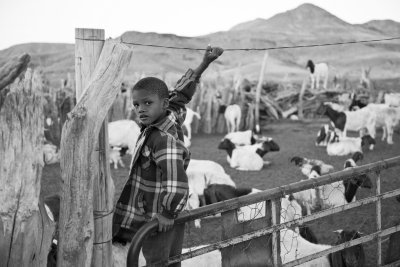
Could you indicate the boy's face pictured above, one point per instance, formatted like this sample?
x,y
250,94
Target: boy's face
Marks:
x,y
148,105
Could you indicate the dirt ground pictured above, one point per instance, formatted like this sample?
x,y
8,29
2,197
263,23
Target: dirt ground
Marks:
x,y
294,138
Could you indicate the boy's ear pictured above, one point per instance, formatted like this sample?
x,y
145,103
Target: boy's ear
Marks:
x,y
165,103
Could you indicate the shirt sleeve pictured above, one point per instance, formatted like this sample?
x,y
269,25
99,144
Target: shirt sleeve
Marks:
x,y
168,156
182,94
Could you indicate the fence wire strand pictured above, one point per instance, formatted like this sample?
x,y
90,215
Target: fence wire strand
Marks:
x,y
251,49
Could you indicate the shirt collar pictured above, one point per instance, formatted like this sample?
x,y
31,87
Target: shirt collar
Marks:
x,y
163,124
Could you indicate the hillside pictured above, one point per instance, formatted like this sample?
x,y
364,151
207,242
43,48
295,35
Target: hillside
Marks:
x,y
306,24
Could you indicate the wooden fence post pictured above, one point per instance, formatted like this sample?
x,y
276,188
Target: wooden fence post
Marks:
x,y
258,92
89,44
78,169
25,229
301,101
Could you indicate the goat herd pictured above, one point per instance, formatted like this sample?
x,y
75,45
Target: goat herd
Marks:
x,y
209,183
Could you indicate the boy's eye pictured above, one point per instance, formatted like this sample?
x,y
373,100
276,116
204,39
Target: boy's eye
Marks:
x,y
135,105
147,103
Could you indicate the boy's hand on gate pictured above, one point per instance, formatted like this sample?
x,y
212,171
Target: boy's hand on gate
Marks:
x,y
164,224
212,53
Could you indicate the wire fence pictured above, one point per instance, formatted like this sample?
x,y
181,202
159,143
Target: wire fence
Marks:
x,y
271,227
252,49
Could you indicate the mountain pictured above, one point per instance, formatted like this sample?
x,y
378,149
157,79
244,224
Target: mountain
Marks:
x,y
388,27
306,24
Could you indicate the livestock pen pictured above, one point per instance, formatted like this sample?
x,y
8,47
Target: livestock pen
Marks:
x,y
270,225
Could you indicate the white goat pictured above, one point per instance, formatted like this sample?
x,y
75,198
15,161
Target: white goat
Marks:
x,y
293,247
308,198
317,72
233,115
349,145
386,117
392,99
202,173
189,119
212,258
115,157
123,133
241,138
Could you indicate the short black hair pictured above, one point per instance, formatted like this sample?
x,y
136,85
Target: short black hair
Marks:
x,y
153,85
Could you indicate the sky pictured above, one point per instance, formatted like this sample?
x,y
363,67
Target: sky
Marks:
x,y
54,21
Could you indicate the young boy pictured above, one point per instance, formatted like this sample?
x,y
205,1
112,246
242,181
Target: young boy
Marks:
x,y
157,187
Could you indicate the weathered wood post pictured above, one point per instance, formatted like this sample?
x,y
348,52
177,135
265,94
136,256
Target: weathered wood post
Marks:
x,y
301,101
25,229
258,92
80,170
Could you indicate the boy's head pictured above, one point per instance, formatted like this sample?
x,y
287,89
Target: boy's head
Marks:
x,y
150,99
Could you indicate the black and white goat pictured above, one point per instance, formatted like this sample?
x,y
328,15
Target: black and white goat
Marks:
x,y
349,145
306,165
241,138
326,135
350,120
248,158
317,71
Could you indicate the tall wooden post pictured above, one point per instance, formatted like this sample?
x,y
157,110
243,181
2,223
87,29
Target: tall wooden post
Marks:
x,y
81,235
301,101
258,92
25,229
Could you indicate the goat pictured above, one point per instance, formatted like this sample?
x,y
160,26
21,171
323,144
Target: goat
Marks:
x,y
247,158
202,173
349,145
241,138
306,165
339,193
392,99
190,114
233,115
351,256
326,135
115,156
317,72
123,133
356,103
308,198
350,120
386,117
352,185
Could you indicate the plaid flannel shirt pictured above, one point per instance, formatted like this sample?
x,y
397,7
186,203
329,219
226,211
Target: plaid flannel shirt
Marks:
x,y
157,181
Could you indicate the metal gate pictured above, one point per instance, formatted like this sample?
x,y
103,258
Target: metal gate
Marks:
x,y
272,226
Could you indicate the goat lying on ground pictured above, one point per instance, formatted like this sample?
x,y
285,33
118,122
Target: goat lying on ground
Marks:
x,y
241,138
233,115
349,145
190,114
306,165
247,158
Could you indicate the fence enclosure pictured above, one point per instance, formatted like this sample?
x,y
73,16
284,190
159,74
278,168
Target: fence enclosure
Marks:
x,y
264,232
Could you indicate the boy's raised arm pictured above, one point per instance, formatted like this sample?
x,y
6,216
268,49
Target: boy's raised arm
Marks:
x,y
186,86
